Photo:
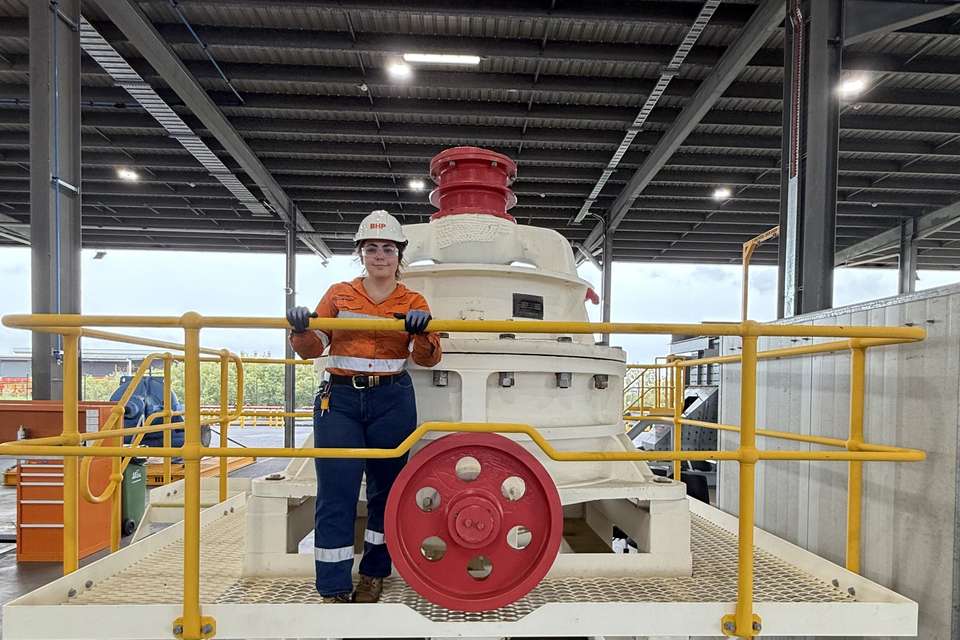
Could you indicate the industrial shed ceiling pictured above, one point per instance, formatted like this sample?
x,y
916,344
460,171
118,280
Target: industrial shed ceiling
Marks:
x,y
307,86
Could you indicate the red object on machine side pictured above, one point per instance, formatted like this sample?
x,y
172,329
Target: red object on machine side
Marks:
x,y
592,296
472,180
480,544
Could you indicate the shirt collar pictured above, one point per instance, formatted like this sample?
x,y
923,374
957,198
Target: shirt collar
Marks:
x,y
357,285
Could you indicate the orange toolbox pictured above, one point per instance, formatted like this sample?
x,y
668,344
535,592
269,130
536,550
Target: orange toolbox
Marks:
x,y
40,511
40,482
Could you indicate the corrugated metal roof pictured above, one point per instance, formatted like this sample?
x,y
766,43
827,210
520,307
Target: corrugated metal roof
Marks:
x,y
13,7
583,91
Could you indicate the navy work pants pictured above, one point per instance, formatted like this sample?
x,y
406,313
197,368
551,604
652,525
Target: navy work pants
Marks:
x,y
379,417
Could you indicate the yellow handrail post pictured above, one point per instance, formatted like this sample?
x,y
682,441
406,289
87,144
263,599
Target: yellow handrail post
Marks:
x,y
116,507
643,388
167,415
71,469
677,415
656,388
224,417
858,358
189,623
744,623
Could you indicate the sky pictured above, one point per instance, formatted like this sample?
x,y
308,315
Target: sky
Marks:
x,y
170,283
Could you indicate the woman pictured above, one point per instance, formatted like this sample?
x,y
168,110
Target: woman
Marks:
x,y
366,400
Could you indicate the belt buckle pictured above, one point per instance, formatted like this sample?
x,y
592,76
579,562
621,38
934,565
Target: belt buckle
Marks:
x,y
353,381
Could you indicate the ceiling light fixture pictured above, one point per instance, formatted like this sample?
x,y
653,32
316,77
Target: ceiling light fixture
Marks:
x,y
400,70
441,58
416,185
127,174
852,87
722,193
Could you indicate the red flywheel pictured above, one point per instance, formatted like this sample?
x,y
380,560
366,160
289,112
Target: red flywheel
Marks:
x,y
473,522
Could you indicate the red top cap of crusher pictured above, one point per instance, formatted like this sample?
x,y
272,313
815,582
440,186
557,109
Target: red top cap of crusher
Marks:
x,y
472,180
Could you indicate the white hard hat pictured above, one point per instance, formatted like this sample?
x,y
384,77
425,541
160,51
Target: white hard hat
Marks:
x,y
380,225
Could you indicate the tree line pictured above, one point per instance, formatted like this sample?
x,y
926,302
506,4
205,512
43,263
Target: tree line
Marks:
x,y
262,384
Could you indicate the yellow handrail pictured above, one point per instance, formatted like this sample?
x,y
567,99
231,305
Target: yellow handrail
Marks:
x,y
193,625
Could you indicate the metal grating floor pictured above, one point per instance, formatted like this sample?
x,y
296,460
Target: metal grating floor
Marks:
x,y
156,579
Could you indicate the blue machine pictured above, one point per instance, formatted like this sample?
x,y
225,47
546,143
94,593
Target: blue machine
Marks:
x,y
146,400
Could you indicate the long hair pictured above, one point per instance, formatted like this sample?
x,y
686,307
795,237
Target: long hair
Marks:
x,y
357,251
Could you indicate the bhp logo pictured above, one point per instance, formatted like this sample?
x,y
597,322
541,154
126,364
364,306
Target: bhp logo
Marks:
x,y
378,225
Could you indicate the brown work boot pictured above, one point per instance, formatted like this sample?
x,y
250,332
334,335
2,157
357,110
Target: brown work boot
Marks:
x,y
340,598
368,589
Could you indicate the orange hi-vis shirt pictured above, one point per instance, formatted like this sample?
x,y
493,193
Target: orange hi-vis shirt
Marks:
x,y
367,352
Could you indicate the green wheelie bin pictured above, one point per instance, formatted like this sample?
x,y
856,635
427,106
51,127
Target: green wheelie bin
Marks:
x,y
133,495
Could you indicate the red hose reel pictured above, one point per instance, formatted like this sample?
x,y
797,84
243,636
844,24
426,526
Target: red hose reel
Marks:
x,y
473,522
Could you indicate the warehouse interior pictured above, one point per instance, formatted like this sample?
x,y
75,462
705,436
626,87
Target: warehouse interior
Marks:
x,y
649,131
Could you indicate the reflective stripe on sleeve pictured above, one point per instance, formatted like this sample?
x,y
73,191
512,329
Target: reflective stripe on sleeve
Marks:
x,y
373,537
367,365
333,555
324,340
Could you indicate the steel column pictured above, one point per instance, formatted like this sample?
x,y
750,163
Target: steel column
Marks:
x,y
907,276
54,179
813,49
289,370
607,286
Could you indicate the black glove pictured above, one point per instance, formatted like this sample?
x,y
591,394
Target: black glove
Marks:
x,y
414,321
299,318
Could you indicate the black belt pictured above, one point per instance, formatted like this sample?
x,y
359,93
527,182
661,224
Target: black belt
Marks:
x,y
365,382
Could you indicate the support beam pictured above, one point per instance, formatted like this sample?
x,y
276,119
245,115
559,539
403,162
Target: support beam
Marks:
x,y
589,257
131,19
607,300
869,18
766,17
54,179
289,370
907,268
926,226
808,218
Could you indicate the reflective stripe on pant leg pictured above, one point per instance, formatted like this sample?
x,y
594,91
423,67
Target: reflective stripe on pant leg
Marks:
x,y
333,555
374,537
338,488
393,416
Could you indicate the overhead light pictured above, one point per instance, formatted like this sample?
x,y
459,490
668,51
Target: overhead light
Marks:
x,y
441,58
127,174
400,70
722,193
852,87
416,185
99,255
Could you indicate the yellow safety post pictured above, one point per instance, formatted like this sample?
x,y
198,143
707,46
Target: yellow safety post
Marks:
x,y
71,468
116,507
167,415
656,388
643,389
224,418
744,623
189,625
858,359
677,415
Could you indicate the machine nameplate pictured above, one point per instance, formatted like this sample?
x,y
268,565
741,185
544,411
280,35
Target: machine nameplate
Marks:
x,y
527,306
